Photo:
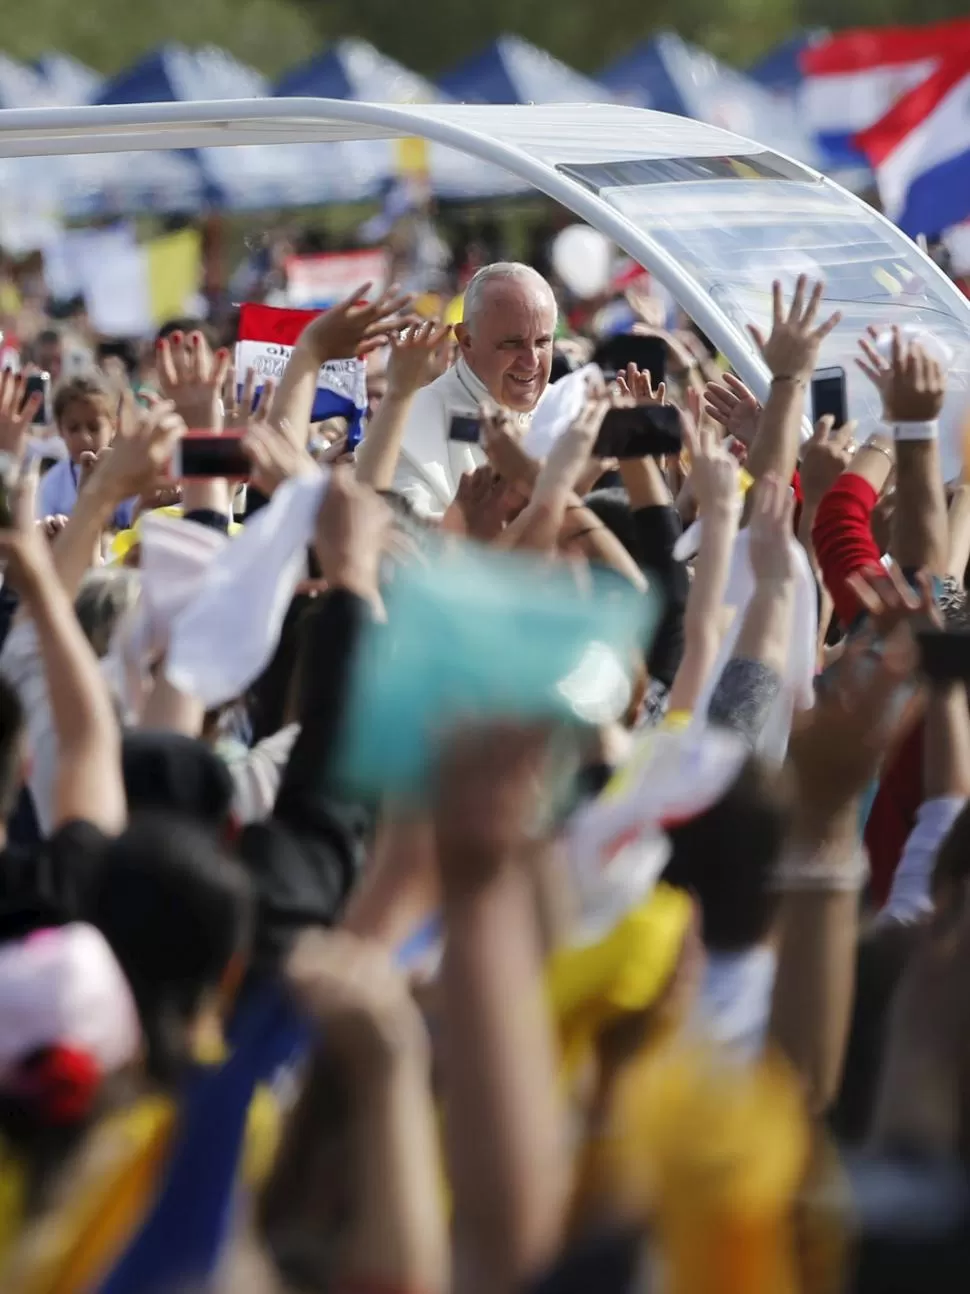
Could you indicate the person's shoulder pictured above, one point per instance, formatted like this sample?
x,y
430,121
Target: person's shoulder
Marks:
x,y
46,881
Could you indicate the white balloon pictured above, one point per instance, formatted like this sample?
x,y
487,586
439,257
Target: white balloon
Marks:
x,y
583,257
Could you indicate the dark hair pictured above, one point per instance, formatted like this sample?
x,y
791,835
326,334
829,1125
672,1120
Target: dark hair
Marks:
x,y
48,337
726,857
81,388
123,349
176,911
185,326
11,734
668,578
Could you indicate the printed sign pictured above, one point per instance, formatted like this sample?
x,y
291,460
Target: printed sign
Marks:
x,y
331,277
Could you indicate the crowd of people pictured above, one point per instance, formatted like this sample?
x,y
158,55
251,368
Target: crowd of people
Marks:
x,y
466,861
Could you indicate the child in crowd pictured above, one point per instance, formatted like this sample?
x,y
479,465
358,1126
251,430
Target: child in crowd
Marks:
x,y
87,419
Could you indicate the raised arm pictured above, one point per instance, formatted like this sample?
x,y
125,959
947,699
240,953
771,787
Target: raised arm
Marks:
x,y
913,387
418,356
791,354
715,476
505,1128
88,780
540,524
348,329
834,758
372,1062
134,465
752,678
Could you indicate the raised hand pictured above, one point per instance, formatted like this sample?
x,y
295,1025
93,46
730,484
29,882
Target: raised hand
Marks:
x,y
504,449
482,505
713,473
22,546
825,458
418,356
771,531
351,988
571,453
351,530
242,409
791,350
275,458
136,463
912,383
730,403
855,725
636,384
356,327
16,413
193,378
890,601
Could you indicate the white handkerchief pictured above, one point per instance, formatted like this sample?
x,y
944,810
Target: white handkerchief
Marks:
x,y
561,406
226,636
175,555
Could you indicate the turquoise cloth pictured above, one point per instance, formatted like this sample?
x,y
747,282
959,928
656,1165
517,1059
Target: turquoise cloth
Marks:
x,y
483,635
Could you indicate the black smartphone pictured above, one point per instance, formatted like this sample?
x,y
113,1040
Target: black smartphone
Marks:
x,y
647,432
944,656
464,429
40,384
205,457
9,472
829,396
648,353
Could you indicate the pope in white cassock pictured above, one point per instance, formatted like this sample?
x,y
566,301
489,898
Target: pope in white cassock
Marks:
x,y
505,354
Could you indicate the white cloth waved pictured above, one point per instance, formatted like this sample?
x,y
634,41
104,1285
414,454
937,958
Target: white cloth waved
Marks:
x,y
562,405
175,555
227,635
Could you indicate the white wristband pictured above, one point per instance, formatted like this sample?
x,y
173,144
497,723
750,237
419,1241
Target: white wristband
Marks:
x,y
916,430
821,875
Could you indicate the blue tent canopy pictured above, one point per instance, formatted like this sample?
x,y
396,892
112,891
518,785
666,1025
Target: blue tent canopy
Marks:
x,y
670,75
779,69
239,178
170,181
511,70
643,79
354,69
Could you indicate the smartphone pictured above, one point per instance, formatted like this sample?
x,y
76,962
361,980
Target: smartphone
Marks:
x,y
647,432
944,656
201,456
464,429
829,396
9,472
648,353
40,384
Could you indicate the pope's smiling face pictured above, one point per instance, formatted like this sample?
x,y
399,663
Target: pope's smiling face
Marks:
x,y
508,344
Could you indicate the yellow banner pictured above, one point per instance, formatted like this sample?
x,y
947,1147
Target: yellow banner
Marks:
x,y
174,272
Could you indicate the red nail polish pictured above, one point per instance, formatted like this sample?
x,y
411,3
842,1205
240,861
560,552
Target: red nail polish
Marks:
x,y
176,337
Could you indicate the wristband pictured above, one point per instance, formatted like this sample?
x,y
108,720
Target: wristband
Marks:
x,y
799,874
916,430
788,377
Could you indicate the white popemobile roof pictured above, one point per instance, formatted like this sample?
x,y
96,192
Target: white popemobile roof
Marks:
x,y
714,217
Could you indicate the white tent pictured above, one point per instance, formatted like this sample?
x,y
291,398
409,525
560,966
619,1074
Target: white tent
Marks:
x,y
713,216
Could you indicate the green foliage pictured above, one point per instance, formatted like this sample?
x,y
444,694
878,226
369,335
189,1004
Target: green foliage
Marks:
x,y
429,35
110,35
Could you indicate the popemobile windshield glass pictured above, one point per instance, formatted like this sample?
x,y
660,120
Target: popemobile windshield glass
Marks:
x,y
736,223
